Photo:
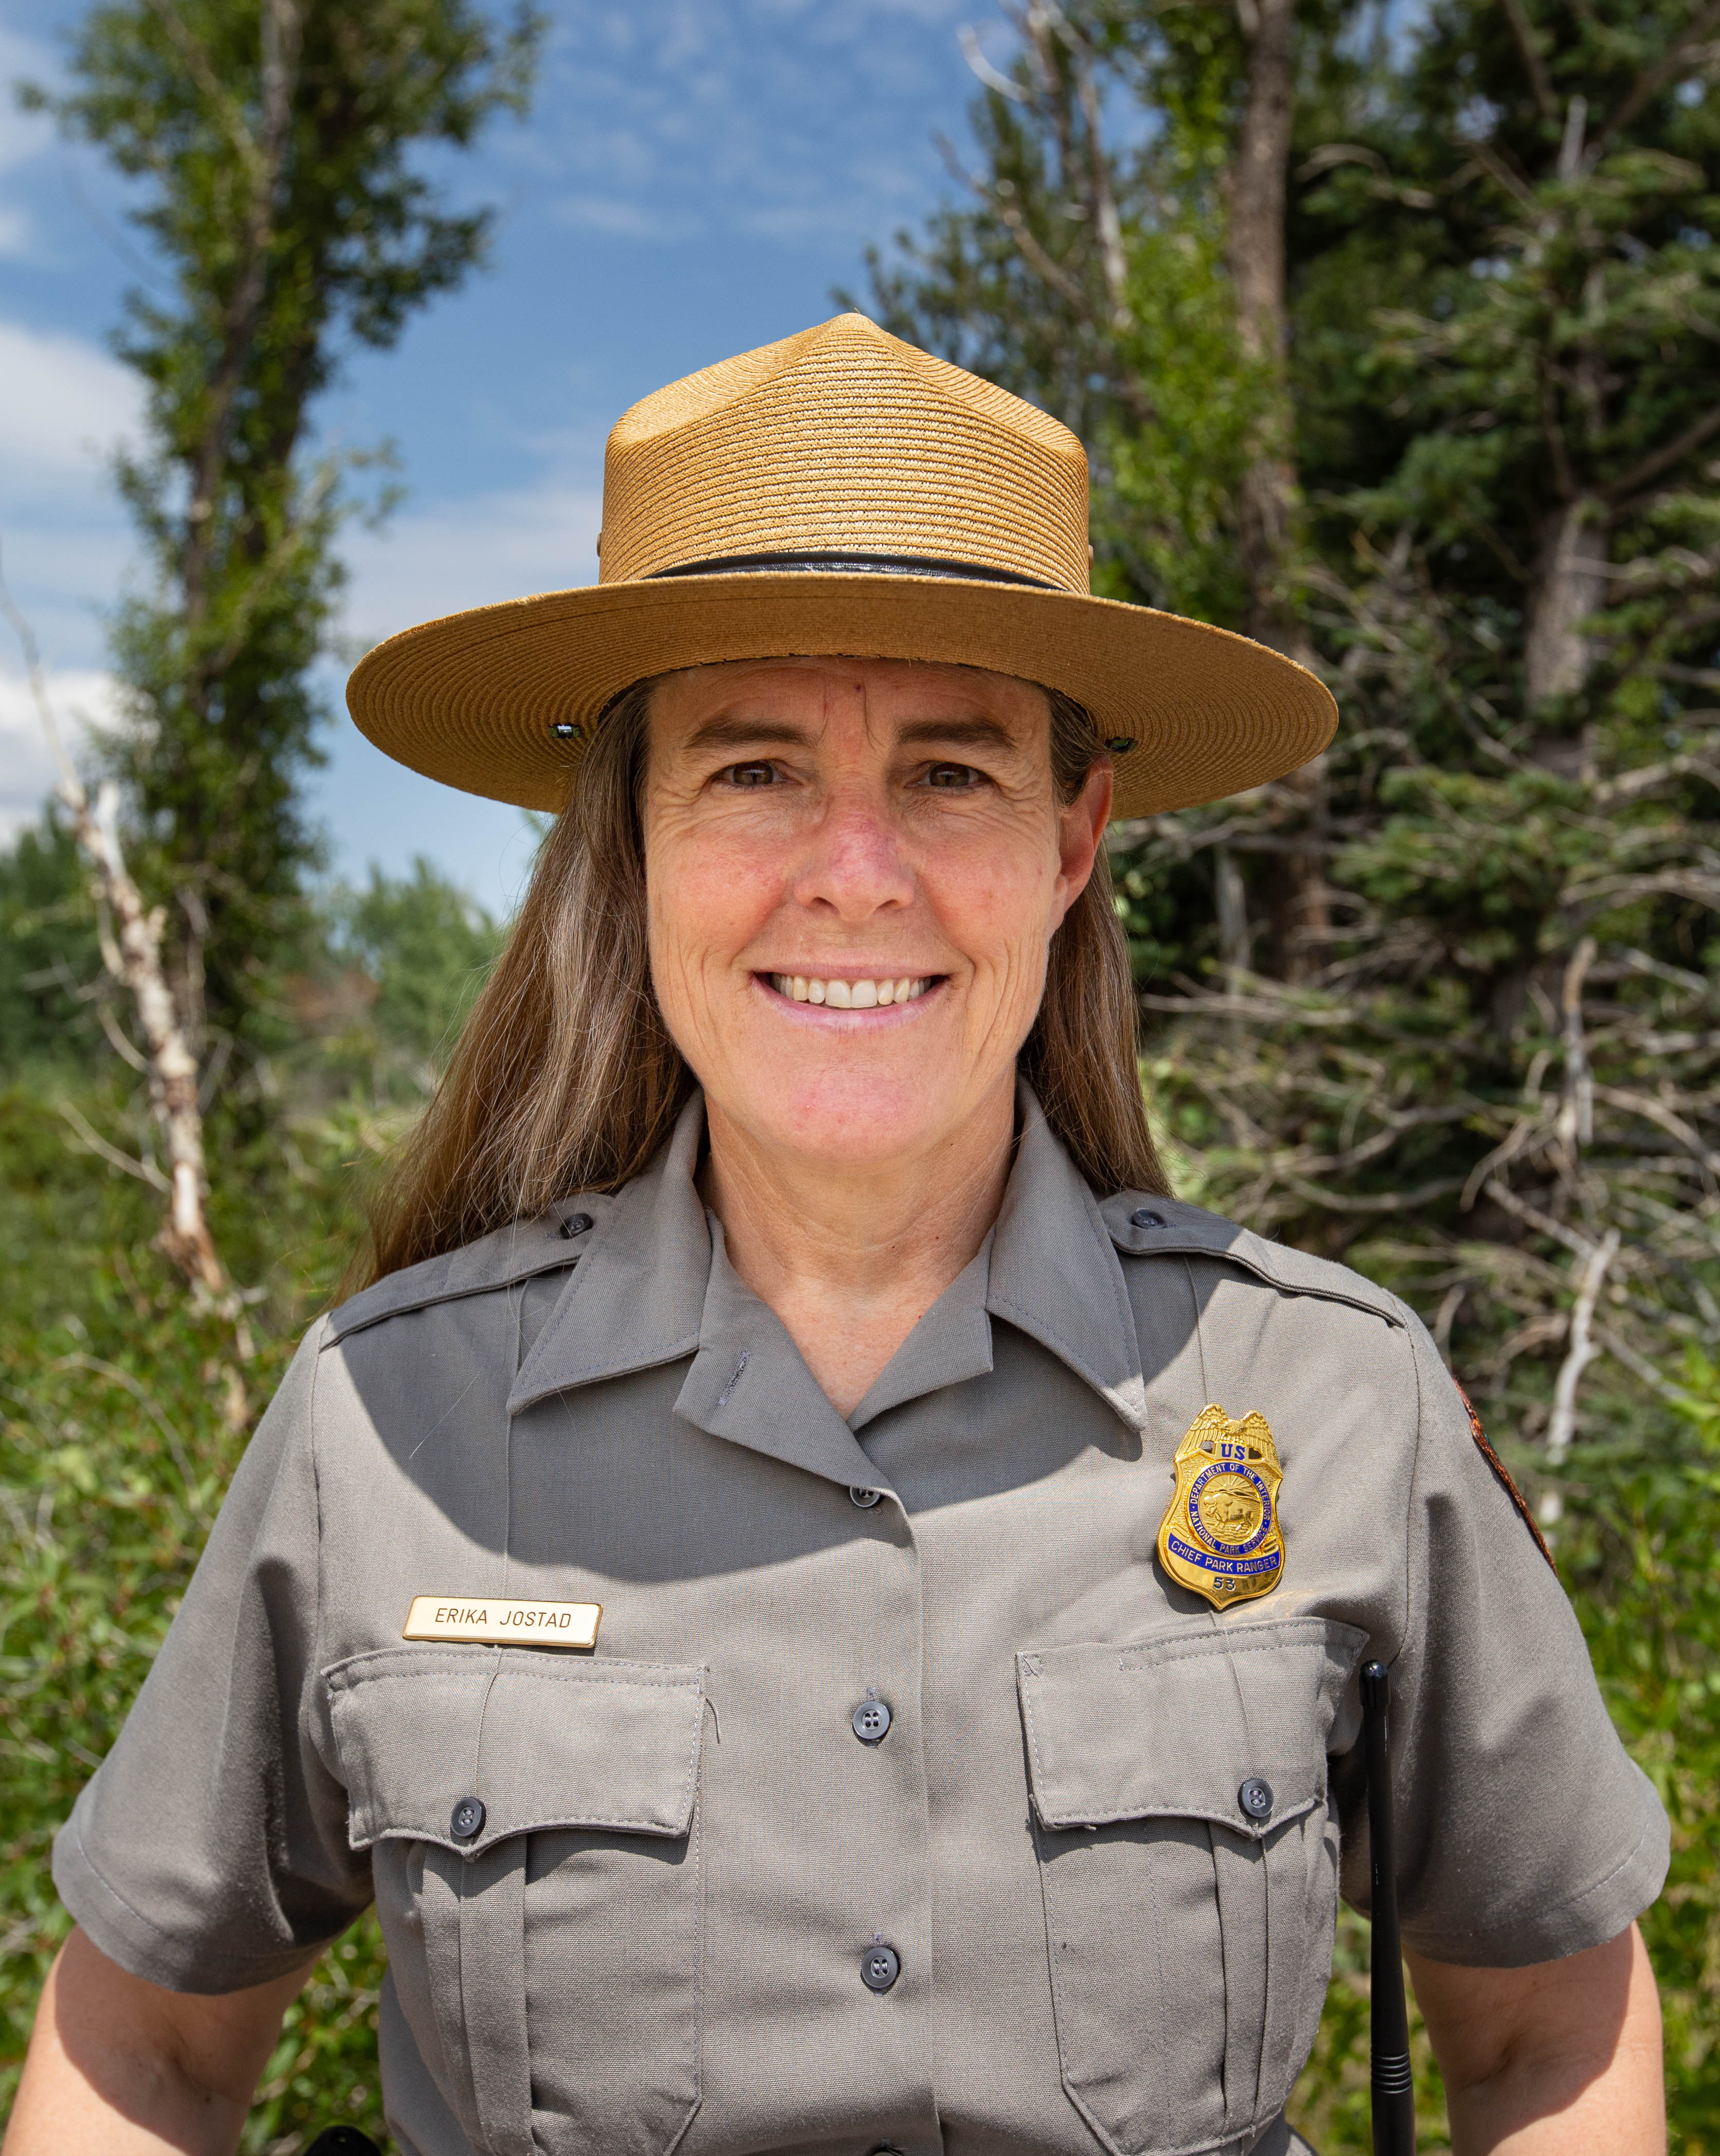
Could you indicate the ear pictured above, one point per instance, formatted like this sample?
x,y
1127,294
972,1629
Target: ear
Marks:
x,y
1081,832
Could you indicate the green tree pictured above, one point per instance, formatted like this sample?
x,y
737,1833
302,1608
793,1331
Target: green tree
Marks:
x,y
48,959
421,947
276,146
1090,280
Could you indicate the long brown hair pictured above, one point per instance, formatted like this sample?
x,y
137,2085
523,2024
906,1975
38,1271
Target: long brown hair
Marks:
x,y
565,1077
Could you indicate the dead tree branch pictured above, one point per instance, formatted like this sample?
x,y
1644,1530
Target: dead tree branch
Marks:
x,y
133,956
1581,1351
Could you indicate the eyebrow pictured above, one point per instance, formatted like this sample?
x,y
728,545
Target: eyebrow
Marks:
x,y
745,733
740,733
959,733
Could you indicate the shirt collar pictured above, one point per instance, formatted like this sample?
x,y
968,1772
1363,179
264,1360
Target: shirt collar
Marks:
x,y
749,1383
1055,1272
635,1297
655,1285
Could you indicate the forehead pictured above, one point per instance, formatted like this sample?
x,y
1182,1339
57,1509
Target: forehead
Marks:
x,y
809,693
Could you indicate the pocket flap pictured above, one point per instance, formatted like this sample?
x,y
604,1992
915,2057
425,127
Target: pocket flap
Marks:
x,y
1174,1726
539,1742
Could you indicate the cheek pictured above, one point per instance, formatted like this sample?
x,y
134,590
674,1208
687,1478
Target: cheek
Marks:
x,y
705,901
997,904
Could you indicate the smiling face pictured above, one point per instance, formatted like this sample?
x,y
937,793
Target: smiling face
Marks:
x,y
853,869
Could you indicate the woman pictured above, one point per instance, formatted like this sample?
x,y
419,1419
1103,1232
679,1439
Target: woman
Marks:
x,y
821,1603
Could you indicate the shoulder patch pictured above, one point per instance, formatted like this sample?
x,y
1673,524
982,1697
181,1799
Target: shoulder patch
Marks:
x,y
1502,1475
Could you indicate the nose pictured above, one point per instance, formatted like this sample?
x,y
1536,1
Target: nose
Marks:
x,y
854,865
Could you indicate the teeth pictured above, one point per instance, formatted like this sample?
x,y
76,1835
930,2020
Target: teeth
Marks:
x,y
849,995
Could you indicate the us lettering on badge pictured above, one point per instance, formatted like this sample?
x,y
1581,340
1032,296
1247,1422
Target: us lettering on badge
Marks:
x,y
503,1623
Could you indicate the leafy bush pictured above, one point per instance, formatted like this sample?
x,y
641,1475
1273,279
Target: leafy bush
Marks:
x,y
115,1450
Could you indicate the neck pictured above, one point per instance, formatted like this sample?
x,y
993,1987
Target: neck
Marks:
x,y
850,1258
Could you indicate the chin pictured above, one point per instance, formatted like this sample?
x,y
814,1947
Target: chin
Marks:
x,y
851,1119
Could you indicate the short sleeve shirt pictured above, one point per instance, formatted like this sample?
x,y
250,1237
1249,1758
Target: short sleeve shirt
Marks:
x,y
899,1804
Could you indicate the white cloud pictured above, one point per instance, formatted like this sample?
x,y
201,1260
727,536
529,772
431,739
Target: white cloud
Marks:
x,y
683,116
455,554
80,695
620,220
64,406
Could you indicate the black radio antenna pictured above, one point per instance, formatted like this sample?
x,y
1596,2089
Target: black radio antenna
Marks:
x,y
1390,2082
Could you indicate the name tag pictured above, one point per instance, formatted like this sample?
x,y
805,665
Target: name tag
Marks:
x,y
503,1624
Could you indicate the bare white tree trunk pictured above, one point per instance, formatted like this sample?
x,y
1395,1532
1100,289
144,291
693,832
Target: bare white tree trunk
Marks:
x,y
131,951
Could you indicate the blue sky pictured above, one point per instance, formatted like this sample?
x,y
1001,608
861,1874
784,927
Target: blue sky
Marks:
x,y
694,177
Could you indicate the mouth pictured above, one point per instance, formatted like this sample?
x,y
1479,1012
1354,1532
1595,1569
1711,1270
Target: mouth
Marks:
x,y
874,994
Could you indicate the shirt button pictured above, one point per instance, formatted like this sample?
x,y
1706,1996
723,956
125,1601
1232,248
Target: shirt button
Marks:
x,y
865,1499
879,1967
467,1823
1255,1798
576,1224
871,1721
1146,1218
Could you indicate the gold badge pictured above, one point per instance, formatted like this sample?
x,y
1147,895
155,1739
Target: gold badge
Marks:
x,y
491,1622
1219,1534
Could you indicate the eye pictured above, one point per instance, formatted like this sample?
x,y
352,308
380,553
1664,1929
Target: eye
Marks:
x,y
749,774
954,777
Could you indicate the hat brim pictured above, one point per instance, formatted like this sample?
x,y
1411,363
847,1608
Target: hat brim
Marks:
x,y
473,700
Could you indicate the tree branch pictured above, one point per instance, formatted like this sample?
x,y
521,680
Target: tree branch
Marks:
x,y
1663,459
91,1139
1574,1126
1581,1351
1534,66
1650,81
264,162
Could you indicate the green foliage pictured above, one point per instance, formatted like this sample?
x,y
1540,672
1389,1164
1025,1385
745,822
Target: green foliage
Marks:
x,y
48,949
114,1454
426,945
1640,1556
278,153
1137,353
114,1443
115,1446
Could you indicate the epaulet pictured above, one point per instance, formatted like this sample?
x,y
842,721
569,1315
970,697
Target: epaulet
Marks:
x,y
550,1243
1143,1226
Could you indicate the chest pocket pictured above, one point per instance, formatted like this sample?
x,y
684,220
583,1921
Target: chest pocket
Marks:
x,y
545,1949
1189,1916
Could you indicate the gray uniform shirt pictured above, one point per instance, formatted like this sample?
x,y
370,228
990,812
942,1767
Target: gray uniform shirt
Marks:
x,y
689,1859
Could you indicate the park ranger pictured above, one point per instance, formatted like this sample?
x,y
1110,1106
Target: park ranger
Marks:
x,y
823,1607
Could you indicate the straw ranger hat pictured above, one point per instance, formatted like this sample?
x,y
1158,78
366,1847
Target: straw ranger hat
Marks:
x,y
840,493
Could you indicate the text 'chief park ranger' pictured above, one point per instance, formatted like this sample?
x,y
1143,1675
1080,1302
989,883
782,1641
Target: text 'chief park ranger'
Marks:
x,y
823,1607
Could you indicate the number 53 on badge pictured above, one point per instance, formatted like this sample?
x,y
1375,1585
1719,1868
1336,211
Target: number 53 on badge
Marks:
x,y
1219,1535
